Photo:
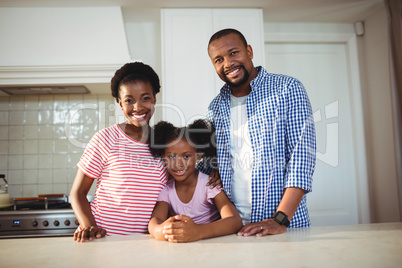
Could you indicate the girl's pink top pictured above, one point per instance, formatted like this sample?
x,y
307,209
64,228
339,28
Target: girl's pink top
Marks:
x,y
201,208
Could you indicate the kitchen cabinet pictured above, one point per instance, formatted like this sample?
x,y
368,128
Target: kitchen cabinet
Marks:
x,y
371,245
61,45
189,81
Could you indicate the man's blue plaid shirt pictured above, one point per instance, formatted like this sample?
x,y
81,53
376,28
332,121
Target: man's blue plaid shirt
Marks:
x,y
281,126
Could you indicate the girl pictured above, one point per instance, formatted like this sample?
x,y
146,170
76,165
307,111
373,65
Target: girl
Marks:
x,y
129,178
187,210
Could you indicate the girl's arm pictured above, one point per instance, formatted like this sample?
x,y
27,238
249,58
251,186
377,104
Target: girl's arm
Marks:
x,y
158,218
230,221
185,230
79,202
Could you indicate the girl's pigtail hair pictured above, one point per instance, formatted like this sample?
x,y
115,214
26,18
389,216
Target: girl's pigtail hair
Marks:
x,y
160,135
202,137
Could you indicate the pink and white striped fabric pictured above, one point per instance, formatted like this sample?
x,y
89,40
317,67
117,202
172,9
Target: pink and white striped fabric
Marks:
x,y
129,180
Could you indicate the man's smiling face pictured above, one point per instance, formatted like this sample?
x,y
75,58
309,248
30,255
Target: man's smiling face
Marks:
x,y
232,60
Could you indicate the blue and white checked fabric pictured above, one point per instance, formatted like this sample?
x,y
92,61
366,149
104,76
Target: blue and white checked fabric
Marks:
x,y
281,126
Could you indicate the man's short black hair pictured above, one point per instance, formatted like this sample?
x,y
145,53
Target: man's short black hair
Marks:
x,y
226,32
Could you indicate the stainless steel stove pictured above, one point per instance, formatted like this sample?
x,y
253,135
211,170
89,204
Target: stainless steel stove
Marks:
x,y
37,217
36,223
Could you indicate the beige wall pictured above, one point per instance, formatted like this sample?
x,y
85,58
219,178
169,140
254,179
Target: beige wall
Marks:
x,y
379,128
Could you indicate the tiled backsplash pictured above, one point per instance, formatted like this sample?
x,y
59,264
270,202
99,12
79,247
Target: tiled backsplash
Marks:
x,y
43,137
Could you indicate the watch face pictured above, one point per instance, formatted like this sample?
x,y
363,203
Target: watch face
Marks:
x,y
280,217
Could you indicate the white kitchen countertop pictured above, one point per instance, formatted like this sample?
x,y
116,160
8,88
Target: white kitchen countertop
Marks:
x,y
369,245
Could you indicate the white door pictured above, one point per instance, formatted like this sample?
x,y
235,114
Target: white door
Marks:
x,y
323,69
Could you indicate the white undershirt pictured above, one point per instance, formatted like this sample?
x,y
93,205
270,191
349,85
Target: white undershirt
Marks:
x,y
241,157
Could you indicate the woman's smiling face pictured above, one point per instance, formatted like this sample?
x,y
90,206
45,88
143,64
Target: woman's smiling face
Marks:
x,y
137,100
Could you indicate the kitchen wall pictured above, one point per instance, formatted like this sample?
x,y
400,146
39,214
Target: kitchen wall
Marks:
x,y
379,126
42,139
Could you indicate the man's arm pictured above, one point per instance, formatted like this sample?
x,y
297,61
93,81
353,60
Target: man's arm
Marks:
x,y
300,151
290,201
288,205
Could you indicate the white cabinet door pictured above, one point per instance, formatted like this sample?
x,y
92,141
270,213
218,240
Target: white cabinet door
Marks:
x,y
187,77
189,81
249,22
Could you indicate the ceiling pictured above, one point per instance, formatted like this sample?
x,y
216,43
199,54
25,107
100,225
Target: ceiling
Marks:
x,y
331,11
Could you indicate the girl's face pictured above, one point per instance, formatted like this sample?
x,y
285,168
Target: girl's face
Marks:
x,y
181,158
137,100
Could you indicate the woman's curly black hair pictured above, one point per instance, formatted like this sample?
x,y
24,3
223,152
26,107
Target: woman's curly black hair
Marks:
x,y
200,134
131,72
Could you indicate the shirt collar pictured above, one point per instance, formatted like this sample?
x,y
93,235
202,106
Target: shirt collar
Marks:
x,y
254,83
259,78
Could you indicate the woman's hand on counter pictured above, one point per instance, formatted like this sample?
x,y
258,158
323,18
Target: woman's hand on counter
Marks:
x,y
89,233
264,227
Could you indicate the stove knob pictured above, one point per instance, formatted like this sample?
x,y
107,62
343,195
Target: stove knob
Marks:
x,y
56,223
34,223
45,223
77,223
67,222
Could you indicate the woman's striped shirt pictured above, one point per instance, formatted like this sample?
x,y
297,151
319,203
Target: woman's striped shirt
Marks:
x,y
129,180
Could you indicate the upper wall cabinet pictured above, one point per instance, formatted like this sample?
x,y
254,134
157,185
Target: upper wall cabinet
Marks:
x,y
189,78
61,45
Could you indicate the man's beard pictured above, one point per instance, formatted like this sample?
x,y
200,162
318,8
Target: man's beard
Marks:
x,y
241,82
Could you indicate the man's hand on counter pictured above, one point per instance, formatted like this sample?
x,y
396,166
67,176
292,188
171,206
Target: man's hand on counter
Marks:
x,y
283,215
264,227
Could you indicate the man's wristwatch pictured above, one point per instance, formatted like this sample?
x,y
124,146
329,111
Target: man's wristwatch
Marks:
x,y
281,218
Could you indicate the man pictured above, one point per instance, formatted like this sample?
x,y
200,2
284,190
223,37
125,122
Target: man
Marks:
x,y
265,139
